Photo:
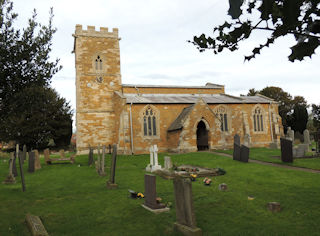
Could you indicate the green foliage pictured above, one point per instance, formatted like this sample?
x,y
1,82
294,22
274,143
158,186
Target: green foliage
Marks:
x,y
300,18
316,115
31,112
299,118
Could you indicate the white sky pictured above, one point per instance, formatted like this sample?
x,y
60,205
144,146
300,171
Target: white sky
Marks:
x,y
154,50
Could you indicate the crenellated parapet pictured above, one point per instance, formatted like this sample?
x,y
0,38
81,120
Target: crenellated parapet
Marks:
x,y
92,32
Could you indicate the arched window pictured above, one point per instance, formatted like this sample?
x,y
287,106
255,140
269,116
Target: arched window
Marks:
x,y
258,120
223,118
98,63
149,122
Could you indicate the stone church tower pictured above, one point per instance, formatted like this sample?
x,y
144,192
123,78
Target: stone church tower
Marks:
x,y
97,60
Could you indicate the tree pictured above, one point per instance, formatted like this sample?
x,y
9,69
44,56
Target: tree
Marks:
x,y
300,18
299,118
26,73
316,115
36,115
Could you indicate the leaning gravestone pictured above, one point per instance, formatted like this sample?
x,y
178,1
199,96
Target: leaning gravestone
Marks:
x,y
244,153
111,182
286,150
90,157
306,137
35,225
10,178
37,164
236,147
186,220
31,161
150,193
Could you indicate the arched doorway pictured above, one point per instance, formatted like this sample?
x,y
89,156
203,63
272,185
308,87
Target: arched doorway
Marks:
x,y
202,136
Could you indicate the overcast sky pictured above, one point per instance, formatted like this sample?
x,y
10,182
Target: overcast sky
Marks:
x,y
154,48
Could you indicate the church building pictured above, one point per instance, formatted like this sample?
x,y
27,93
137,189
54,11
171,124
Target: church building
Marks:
x,y
176,118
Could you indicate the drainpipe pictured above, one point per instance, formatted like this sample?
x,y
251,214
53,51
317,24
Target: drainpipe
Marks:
x,y
271,131
131,132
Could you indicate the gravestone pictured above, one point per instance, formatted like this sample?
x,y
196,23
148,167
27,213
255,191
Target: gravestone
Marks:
x,y
37,164
24,152
31,162
111,182
244,153
167,163
274,206
21,169
306,137
10,178
273,145
286,150
236,147
35,226
185,216
14,165
290,133
61,152
156,165
300,151
150,193
90,158
46,153
149,166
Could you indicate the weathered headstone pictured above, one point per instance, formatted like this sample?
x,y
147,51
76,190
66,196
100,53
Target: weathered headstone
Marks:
x,y
156,165
10,178
286,150
111,182
150,193
35,226
274,206
46,153
21,169
14,165
273,145
290,133
236,147
244,153
61,152
37,164
31,163
186,220
300,151
167,162
90,158
306,137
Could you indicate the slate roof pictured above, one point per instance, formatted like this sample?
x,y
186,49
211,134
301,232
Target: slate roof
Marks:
x,y
207,86
193,98
178,123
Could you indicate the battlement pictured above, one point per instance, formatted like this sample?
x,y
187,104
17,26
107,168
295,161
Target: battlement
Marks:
x,y
91,32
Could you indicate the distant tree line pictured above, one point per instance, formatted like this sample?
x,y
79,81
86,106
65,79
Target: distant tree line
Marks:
x,y
31,112
293,110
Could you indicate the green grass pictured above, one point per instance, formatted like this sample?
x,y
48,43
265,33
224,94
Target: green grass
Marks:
x,y
273,156
73,200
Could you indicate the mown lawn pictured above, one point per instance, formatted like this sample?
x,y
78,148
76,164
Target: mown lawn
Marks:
x,y
73,199
273,155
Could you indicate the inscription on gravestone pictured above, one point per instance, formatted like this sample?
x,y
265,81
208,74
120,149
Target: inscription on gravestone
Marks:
x,y
286,150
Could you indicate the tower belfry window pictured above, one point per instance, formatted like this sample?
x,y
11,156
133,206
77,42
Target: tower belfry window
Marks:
x,y
98,63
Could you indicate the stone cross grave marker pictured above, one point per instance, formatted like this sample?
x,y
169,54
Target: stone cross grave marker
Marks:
x,y
14,165
244,153
111,182
286,150
10,178
150,193
306,137
31,162
156,165
21,168
149,166
90,158
167,162
37,164
236,147
185,217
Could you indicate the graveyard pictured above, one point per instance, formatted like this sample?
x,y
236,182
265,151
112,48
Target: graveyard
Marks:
x,y
74,199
